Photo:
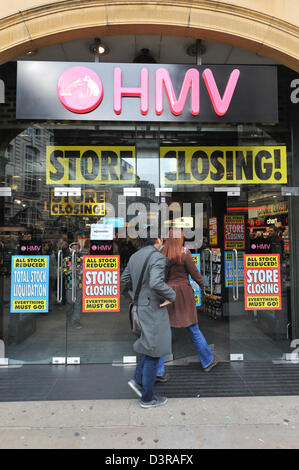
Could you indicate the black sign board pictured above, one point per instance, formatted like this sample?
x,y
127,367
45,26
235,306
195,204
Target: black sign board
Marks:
x,y
146,92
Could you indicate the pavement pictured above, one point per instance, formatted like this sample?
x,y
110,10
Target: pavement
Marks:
x,y
268,422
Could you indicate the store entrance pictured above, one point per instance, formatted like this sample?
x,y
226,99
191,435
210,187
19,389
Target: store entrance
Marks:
x,y
245,306
43,215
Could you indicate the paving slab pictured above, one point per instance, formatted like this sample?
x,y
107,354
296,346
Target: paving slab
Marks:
x,y
184,423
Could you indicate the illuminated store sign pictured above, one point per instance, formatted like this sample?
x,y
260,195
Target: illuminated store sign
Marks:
x,y
146,92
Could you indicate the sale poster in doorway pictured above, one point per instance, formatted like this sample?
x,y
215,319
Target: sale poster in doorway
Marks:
x,y
234,232
213,233
101,283
262,282
194,285
230,266
29,284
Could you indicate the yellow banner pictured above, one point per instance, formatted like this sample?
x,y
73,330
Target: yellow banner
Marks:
x,y
90,165
223,165
103,304
263,303
89,203
30,262
101,262
262,261
24,305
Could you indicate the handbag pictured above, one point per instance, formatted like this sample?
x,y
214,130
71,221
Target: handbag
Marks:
x,y
133,307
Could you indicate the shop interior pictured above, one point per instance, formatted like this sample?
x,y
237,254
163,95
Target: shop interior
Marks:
x,y
32,224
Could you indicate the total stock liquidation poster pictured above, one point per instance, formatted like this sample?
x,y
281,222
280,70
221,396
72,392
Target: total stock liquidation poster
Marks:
x,y
101,283
29,284
262,282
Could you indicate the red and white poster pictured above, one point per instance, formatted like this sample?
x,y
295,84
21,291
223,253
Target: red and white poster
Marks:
x,y
234,232
101,283
262,282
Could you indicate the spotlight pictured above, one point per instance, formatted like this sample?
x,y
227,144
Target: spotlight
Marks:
x,y
197,50
144,57
99,48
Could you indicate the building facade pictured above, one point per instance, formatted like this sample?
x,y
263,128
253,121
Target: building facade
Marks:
x,y
189,119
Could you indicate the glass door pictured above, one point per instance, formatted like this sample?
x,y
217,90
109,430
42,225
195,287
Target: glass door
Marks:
x,y
45,234
257,266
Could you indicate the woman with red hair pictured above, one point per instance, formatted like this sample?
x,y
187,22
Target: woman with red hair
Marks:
x,y
182,312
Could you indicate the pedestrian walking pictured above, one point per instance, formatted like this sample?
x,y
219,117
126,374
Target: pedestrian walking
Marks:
x,y
155,339
183,313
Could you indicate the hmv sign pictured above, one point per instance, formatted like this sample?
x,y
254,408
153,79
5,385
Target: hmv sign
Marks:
x,y
146,92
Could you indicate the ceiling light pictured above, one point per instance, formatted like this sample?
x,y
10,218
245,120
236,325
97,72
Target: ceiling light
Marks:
x,y
32,53
99,48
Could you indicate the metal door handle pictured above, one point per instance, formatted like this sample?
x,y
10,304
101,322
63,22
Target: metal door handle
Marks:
x,y
74,276
235,276
59,276
211,270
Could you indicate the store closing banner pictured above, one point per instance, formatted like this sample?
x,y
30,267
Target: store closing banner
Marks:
x,y
90,165
89,203
146,92
178,165
223,165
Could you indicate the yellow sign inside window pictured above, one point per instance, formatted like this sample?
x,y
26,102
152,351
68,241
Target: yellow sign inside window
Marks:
x,y
223,165
90,165
89,203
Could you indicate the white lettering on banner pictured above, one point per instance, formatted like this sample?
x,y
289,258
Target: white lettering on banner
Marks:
x,y
2,92
102,277
295,93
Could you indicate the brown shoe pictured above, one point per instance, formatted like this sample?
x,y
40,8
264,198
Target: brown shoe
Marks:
x,y
163,378
213,364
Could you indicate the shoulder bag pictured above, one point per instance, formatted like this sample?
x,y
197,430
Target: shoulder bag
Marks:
x,y
133,307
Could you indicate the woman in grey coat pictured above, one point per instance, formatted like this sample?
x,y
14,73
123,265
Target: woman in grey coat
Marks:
x,y
155,339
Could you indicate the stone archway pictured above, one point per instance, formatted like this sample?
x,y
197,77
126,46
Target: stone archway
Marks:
x,y
270,29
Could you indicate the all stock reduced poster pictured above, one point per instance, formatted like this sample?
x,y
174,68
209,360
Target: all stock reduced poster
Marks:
x,y
29,284
101,283
262,282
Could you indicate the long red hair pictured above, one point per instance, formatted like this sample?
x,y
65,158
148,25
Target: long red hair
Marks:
x,y
173,246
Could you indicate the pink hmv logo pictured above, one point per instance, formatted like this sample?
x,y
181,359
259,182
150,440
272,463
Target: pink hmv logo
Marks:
x,y
80,89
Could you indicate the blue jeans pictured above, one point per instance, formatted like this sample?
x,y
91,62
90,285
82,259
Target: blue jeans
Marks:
x,y
145,375
202,348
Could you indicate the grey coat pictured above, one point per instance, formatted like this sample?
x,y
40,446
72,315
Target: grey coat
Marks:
x,y
155,340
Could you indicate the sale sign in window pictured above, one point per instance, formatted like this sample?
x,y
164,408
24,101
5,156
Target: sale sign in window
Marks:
x,y
262,282
101,283
29,284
